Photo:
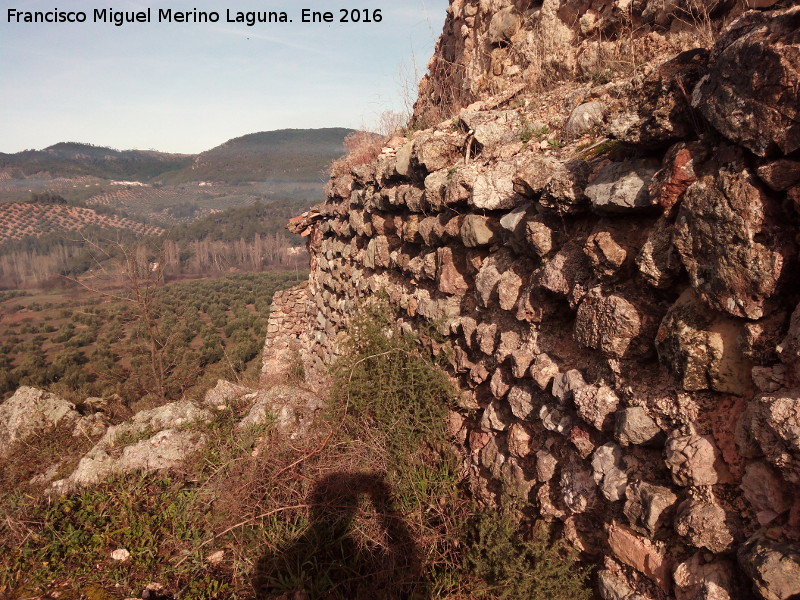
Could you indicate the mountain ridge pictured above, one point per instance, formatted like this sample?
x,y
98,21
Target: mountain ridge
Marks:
x,y
296,154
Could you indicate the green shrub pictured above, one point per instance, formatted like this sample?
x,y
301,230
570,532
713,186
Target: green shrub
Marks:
x,y
516,567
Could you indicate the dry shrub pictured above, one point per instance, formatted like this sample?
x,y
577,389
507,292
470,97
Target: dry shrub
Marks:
x,y
362,148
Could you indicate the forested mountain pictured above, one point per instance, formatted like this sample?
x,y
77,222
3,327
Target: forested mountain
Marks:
x,y
296,155
71,159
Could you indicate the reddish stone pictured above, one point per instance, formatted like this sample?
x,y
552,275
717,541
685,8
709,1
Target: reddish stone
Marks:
x,y
640,554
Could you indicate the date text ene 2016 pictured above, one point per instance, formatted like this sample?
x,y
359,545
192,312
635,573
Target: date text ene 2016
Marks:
x,y
355,15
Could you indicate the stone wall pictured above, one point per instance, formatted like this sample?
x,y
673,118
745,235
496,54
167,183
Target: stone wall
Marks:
x,y
614,265
288,330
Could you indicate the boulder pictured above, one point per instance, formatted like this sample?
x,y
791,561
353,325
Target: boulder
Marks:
x,y
152,440
438,150
595,404
605,255
452,273
773,567
622,187
608,323
750,94
773,422
659,110
648,506
30,411
677,173
578,488
657,261
490,275
566,384
543,370
698,579
504,24
479,230
608,471
493,188
633,427
290,410
520,399
695,460
224,394
781,174
582,118
546,465
641,554
701,348
703,523
765,491
567,273
730,243
789,349
493,128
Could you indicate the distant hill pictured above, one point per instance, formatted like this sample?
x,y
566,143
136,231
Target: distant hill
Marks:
x,y
287,155
71,159
296,155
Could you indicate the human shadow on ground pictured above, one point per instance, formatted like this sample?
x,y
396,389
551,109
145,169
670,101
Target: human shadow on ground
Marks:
x,y
356,546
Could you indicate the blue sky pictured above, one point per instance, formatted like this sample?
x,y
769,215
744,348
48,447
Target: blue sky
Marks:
x,y
186,87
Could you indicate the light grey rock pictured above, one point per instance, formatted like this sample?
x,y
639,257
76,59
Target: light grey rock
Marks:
x,y
608,471
520,398
622,187
648,506
152,440
583,117
546,465
566,384
492,128
493,188
578,488
496,416
224,394
478,230
612,586
30,411
289,409
490,275
635,427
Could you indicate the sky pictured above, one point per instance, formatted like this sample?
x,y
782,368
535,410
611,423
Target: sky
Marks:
x,y
187,87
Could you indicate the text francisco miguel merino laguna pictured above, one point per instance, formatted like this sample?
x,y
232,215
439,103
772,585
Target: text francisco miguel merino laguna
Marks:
x,y
168,15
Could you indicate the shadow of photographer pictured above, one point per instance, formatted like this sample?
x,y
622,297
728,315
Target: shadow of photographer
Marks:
x,y
356,545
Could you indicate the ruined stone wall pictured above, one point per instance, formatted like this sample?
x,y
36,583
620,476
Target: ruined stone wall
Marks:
x,y
614,266
288,330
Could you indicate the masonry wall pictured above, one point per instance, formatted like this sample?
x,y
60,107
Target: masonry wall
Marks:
x,y
614,266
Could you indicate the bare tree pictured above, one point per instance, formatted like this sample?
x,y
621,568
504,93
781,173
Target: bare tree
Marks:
x,y
135,272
